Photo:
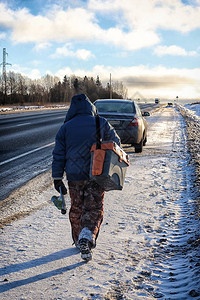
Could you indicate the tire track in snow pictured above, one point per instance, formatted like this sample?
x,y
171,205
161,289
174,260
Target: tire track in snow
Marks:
x,y
177,257
163,253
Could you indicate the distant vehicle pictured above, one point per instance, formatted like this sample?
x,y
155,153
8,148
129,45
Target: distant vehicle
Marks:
x,y
125,116
157,100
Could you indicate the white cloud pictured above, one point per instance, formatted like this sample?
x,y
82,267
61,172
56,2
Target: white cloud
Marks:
x,y
135,22
57,25
129,25
34,74
173,50
41,46
67,51
30,73
133,40
7,16
83,54
150,82
151,15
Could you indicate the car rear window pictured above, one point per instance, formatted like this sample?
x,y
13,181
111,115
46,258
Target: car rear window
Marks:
x,y
115,107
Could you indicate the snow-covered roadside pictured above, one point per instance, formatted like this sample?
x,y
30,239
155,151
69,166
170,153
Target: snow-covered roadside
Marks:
x,y
195,107
191,115
148,246
26,199
22,108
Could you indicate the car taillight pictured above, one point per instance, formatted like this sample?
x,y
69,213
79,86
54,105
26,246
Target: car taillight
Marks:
x,y
134,122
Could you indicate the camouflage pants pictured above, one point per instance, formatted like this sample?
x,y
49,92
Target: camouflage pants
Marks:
x,y
86,207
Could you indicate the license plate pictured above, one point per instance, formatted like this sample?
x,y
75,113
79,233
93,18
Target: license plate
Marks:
x,y
114,122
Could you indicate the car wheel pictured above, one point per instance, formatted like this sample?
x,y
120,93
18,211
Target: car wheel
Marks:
x,y
145,141
139,147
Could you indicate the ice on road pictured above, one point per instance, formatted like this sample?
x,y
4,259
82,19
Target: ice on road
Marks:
x,y
148,245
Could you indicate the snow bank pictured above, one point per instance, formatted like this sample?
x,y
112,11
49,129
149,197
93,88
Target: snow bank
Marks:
x,y
190,111
191,114
194,107
30,107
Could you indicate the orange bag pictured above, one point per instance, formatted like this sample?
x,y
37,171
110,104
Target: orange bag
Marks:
x,y
98,161
108,164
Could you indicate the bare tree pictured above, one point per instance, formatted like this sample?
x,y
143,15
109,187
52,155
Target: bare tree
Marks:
x,y
21,89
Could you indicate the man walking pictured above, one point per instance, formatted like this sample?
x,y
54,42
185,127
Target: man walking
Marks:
x,y
72,156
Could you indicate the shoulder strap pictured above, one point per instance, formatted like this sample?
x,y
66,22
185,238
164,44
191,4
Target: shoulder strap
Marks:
x,y
98,134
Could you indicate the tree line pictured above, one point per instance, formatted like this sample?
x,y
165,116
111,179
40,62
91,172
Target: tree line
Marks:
x,y
20,90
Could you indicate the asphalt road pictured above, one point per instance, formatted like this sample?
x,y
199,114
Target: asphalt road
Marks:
x,y
148,106
26,144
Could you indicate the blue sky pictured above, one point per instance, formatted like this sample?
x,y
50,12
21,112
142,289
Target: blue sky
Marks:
x,y
152,46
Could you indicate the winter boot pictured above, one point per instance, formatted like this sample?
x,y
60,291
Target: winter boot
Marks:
x,y
85,248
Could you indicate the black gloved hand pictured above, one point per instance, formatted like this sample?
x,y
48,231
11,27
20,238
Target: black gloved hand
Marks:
x,y
59,183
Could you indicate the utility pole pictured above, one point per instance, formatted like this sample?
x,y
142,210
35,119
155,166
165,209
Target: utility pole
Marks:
x,y
110,87
4,77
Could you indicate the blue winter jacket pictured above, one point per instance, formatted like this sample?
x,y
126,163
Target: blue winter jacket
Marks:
x,y
75,138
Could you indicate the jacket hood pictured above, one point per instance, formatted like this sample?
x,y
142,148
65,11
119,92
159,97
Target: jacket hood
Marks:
x,y
80,104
